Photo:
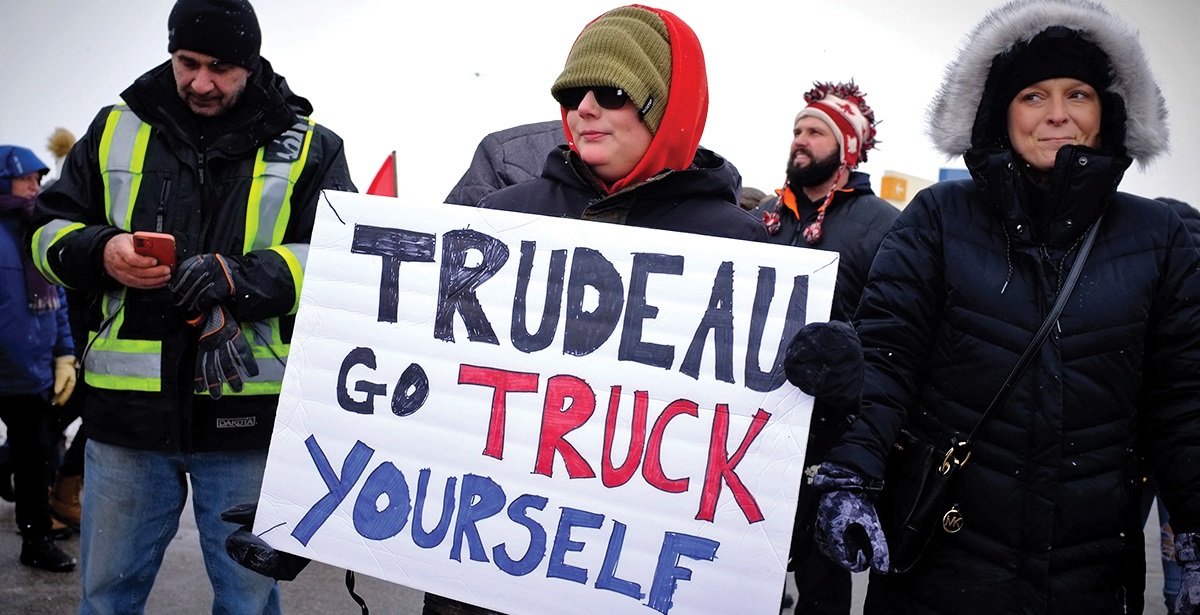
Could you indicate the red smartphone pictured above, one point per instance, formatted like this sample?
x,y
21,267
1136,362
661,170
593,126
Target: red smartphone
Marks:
x,y
160,246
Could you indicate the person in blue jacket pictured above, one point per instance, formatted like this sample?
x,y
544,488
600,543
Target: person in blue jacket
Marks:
x,y
37,359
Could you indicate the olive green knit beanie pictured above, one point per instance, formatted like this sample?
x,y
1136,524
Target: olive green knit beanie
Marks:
x,y
625,48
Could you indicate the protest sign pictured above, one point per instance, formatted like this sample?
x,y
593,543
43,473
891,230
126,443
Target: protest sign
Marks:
x,y
541,415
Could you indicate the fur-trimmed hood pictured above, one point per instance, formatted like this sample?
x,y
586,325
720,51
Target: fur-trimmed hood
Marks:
x,y
953,112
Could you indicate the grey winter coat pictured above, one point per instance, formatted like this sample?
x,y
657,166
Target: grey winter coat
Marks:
x,y
507,157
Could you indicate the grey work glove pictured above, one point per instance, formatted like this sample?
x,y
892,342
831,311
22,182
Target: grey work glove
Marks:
x,y
255,554
1187,553
223,354
203,281
847,529
825,360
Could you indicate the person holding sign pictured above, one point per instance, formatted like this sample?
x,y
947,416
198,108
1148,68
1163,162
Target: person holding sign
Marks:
x,y
634,98
212,151
1049,102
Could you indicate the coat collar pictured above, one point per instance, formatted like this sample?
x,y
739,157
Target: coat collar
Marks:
x,y
1079,189
266,109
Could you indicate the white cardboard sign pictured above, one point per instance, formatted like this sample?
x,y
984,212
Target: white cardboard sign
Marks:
x,y
542,415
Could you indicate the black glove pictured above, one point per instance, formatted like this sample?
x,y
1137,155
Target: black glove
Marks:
x,y
252,552
825,360
203,281
223,354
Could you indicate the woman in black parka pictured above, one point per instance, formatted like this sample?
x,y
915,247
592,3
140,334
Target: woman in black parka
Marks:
x,y
1049,102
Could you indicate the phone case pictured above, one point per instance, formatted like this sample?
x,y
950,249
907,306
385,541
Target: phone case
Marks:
x,y
160,246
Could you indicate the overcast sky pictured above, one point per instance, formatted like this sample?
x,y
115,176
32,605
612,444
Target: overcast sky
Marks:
x,y
429,79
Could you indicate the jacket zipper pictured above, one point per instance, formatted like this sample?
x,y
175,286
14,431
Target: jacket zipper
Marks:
x,y
162,205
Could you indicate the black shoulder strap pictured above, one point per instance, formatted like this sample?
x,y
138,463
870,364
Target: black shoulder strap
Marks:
x,y
1050,322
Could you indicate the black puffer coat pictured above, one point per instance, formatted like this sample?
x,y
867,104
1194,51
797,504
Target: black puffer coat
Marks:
x,y
855,222
1050,493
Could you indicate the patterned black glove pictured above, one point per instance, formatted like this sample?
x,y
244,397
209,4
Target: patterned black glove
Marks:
x,y
825,360
203,281
847,529
252,552
223,354
1187,553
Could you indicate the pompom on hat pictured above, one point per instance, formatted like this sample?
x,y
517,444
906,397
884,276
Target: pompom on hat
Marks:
x,y
843,107
224,29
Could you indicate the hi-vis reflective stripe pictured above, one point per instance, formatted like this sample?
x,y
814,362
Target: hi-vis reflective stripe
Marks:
x,y
270,353
113,363
276,170
117,363
45,237
122,154
110,361
295,255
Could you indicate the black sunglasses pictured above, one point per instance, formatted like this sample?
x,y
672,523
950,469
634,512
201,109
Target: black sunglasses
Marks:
x,y
609,98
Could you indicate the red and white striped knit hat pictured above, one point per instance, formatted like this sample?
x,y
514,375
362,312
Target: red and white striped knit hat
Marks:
x,y
841,106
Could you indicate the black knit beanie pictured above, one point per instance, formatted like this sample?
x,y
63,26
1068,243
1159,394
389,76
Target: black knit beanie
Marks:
x,y
224,29
1056,52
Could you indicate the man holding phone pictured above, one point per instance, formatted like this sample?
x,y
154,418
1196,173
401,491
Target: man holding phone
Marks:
x,y
181,376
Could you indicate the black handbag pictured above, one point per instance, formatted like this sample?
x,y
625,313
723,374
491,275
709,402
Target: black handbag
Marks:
x,y
916,497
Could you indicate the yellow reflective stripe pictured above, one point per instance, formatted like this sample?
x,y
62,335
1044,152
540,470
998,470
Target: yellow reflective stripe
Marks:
x,y
115,363
253,388
114,304
121,383
269,347
277,167
297,168
106,139
295,255
271,357
269,353
122,155
120,344
272,351
130,365
254,204
140,145
44,238
272,338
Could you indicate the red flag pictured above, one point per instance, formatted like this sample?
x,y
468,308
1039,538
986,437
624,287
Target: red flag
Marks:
x,y
384,183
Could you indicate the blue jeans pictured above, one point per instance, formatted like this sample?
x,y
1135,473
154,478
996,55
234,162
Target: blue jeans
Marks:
x,y
131,511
